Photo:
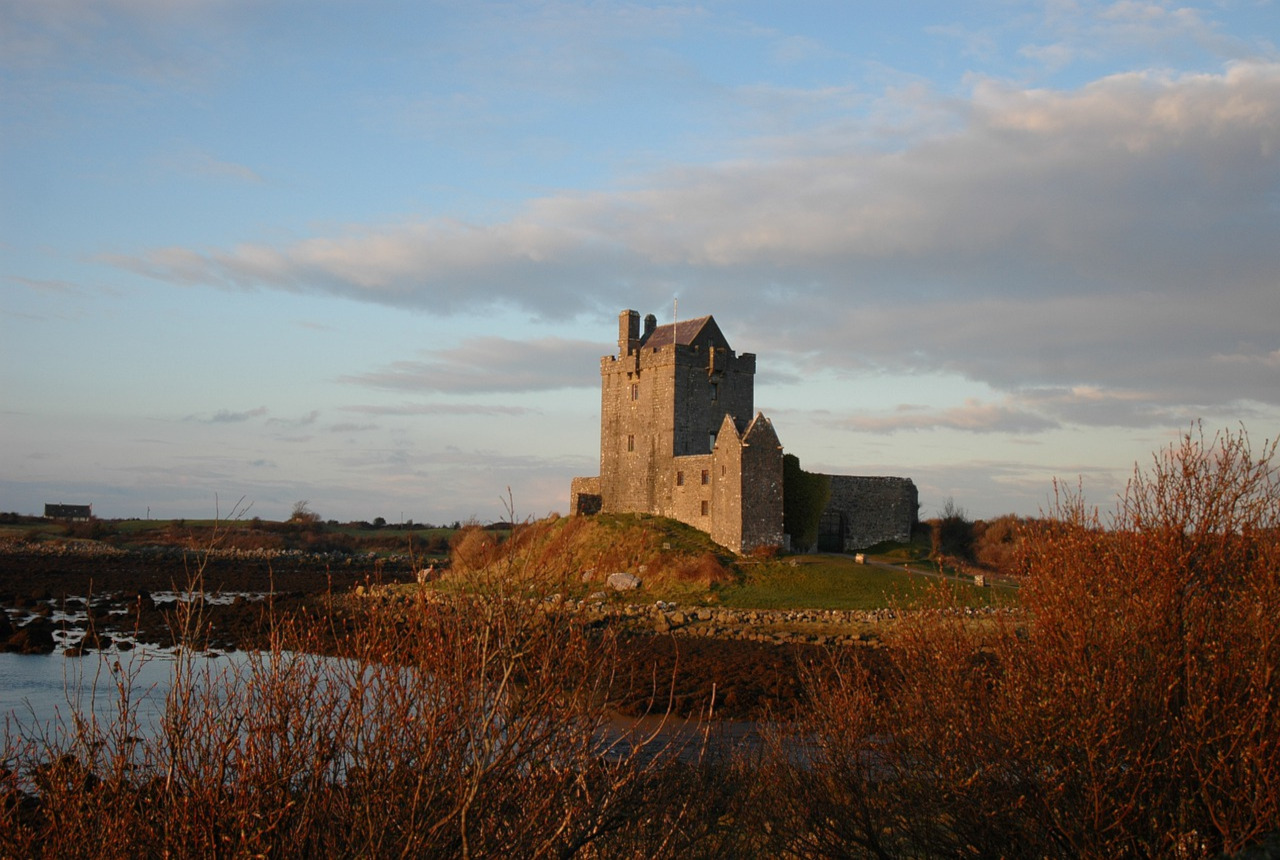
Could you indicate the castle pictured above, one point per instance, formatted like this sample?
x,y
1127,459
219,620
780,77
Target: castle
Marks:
x,y
680,438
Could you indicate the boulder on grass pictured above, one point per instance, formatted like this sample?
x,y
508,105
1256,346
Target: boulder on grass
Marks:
x,y
623,581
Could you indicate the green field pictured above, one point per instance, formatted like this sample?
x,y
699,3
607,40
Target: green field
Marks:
x,y
839,582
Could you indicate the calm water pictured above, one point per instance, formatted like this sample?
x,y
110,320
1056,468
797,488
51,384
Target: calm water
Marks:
x,y
36,691
39,694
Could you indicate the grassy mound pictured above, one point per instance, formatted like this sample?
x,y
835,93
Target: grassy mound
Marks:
x,y
577,554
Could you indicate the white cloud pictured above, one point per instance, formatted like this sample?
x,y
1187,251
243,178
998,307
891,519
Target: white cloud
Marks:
x,y
1086,30
1120,235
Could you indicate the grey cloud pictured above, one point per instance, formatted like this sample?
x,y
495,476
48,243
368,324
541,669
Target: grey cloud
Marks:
x,y
1022,486
411,409
974,416
301,421
226,416
492,364
1124,235
1134,182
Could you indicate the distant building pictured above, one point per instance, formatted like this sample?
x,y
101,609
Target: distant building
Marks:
x,y
680,438
68,512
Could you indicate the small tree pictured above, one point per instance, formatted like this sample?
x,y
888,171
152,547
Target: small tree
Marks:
x,y
302,513
951,535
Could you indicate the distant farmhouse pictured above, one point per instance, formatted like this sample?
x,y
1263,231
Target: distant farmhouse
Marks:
x,y
68,512
680,438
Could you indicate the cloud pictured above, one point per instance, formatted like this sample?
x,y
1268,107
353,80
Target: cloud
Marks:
x,y
1088,30
974,416
226,416
204,164
492,365
436,409
301,421
44,285
1120,235
174,42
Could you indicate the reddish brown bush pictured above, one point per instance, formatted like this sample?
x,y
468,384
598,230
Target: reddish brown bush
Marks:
x,y
477,728
1131,710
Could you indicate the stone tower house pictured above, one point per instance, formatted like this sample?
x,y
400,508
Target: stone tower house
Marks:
x,y
679,436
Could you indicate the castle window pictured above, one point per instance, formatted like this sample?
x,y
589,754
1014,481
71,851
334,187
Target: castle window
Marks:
x,y
713,441
706,477
705,505
631,443
635,391
715,391
679,479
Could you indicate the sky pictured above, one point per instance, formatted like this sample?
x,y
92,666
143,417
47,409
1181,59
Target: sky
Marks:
x,y
368,254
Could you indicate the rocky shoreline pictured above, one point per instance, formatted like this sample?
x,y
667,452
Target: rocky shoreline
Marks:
x,y
739,663
82,598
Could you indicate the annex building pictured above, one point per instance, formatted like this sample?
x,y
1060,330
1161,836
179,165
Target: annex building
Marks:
x,y
680,438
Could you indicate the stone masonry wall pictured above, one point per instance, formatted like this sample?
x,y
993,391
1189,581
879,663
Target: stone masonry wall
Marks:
x,y
708,384
876,509
689,492
584,496
761,493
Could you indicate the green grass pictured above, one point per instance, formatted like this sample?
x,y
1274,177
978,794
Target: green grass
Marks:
x,y
358,531
838,582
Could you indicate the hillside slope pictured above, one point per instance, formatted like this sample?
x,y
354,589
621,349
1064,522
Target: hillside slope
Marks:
x,y
577,554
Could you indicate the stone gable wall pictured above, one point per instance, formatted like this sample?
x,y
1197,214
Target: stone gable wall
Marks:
x,y
726,505
761,492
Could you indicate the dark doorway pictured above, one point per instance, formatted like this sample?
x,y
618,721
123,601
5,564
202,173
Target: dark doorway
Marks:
x,y
831,532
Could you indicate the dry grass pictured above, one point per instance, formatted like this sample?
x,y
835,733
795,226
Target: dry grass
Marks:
x,y
577,554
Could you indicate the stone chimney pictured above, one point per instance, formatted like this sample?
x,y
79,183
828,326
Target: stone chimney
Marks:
x,y
628,332
650,323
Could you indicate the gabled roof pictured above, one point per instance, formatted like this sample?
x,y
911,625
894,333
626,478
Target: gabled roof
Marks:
x,y
683,332
761,432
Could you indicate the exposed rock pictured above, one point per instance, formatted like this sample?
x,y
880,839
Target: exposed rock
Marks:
x,y
34,638
623,581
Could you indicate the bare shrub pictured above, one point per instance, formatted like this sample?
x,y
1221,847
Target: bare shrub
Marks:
x,y
474,727
705,570
1151,660
474,548
1131,710
998,544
